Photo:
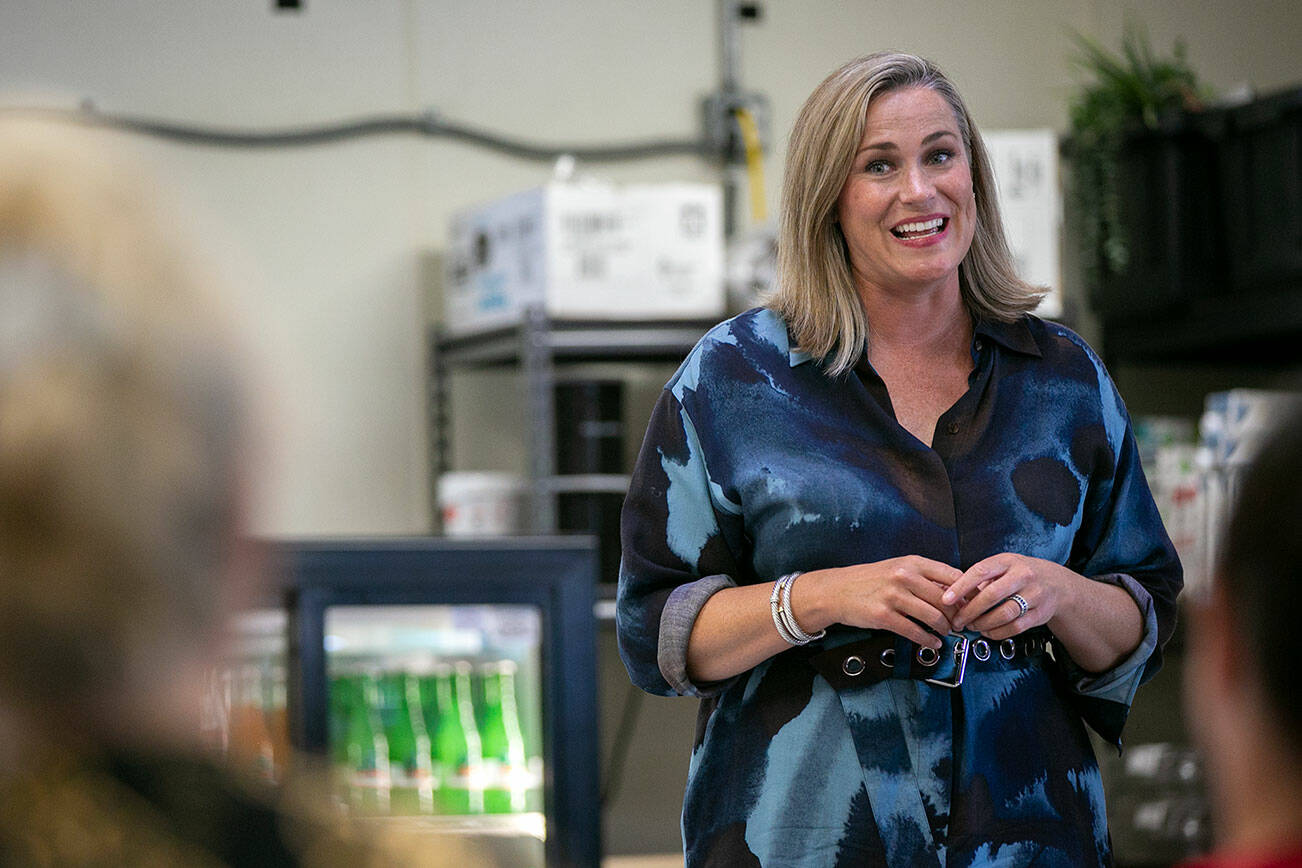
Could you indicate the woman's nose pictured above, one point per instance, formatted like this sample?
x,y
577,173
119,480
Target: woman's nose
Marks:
x,y
916,186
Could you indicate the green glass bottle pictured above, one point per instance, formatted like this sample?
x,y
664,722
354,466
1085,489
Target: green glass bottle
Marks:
x,y
449,744
411,788
368,751
420,771
506,771
345,692
429,698
458,766
401,738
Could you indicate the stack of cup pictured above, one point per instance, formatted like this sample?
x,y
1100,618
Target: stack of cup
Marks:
x,y
590,440
478,503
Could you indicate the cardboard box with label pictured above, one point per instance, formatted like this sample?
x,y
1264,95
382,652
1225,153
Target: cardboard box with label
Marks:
x,y
588,251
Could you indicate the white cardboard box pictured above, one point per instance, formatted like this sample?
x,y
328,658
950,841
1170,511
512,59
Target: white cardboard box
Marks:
x,y
587,251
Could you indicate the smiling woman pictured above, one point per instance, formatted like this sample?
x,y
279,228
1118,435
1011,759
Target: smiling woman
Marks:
x,y
891,529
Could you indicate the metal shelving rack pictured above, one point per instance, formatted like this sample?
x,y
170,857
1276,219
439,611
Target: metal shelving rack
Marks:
x,y
538,345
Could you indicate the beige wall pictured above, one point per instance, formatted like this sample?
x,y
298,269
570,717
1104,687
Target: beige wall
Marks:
x,y
328,243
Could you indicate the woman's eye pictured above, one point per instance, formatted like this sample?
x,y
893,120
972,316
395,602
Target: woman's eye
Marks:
x,y
941,156
877,167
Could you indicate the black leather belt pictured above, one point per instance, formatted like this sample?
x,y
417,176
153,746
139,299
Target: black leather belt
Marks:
x,y
886,655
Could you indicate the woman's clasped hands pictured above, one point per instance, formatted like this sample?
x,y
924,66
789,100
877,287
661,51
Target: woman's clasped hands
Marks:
x,y
1000,596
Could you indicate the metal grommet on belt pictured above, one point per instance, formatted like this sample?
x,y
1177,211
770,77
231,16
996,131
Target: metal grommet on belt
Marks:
x,y
888,658
928,656
1008,649
981,650
853,665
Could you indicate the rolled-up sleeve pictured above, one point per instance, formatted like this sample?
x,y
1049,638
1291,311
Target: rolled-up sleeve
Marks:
x,y
675,554
1122,542
676,621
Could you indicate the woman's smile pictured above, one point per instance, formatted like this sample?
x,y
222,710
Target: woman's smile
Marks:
x,y
924,231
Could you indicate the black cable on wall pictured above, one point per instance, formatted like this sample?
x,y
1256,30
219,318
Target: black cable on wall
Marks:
x,y
428,124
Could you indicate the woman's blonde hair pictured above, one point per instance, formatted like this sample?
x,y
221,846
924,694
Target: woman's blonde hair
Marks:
x,y
121,415
815,290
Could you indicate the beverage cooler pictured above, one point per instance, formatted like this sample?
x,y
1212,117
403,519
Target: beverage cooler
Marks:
x,y
449,684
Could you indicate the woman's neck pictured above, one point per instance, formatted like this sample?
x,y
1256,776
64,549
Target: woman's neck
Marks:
x,y
929,322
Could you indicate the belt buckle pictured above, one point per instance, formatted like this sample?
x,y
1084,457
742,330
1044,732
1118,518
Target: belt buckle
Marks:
x,y
961,648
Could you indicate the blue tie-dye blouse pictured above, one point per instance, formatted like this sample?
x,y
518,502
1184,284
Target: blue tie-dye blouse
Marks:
x,y
757,463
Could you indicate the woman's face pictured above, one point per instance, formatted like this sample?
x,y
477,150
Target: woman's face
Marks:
x,y
907,210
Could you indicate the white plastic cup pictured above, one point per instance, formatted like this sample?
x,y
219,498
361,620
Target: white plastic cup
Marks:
x,y
479,503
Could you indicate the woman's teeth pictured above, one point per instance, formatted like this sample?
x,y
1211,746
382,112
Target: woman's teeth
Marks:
x,y
919,230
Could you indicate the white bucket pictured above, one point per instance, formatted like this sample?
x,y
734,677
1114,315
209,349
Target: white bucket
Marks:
x,y
478,503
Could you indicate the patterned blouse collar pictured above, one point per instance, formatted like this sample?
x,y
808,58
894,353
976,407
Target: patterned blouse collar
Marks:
x,y
1015,336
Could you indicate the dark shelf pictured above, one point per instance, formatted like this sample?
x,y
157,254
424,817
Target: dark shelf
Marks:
x,y
577,341
1248,328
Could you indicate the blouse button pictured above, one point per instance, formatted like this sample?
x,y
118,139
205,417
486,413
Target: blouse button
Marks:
x,y
952,428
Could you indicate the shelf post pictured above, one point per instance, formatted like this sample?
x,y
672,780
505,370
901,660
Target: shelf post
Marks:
x,y
540,420
440,441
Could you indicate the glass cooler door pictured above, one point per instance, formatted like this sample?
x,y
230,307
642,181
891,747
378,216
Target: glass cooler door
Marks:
x,y
452,686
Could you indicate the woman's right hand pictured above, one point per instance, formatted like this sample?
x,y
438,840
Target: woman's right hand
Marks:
x,y
883,595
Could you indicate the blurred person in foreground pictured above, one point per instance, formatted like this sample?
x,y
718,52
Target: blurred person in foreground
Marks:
x,y
1243,687
864,514
124,466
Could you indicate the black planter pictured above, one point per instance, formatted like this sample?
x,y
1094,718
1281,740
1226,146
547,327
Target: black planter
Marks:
x,y
1171,219
1261,181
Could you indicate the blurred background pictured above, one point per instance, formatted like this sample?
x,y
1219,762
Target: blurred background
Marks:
x,y
349,254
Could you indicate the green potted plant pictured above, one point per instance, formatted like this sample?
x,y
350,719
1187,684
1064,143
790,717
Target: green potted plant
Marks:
x,y
1131,98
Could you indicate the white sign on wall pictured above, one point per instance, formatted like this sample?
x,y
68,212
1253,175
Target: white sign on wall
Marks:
x,y
1025,164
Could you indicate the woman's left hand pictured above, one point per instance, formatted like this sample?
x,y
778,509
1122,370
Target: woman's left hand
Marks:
x,y
1044,585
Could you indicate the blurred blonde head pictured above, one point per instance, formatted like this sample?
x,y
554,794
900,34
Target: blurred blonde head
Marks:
x,y
121,420
816,294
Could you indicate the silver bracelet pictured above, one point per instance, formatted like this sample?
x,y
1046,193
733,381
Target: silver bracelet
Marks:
x,y
775,606
789,617
783,619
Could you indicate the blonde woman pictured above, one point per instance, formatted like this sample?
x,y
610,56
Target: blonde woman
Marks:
x,y
892,528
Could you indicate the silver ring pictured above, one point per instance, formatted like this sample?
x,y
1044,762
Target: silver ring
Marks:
x,y
1021,604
